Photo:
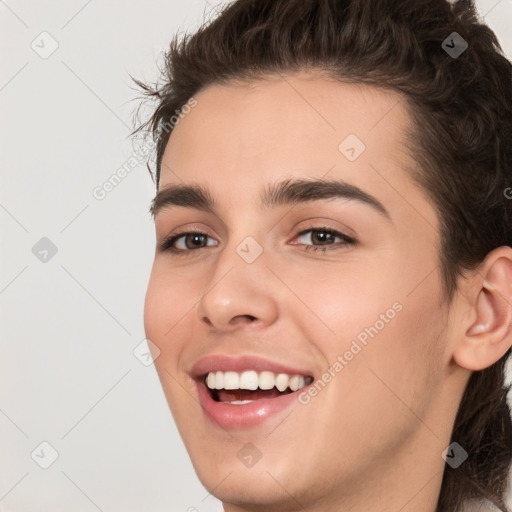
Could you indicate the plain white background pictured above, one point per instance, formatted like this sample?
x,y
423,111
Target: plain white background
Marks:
x,y
72,320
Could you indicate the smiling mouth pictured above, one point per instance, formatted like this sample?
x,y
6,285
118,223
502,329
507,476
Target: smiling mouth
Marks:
x,y
242,388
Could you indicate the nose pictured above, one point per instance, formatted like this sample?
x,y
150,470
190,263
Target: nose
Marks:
x,y
239,295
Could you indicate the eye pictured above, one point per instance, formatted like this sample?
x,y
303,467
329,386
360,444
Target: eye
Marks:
x,y
325,237
190,240
193,240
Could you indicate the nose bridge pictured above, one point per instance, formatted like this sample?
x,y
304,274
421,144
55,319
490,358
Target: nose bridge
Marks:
x,y
240,286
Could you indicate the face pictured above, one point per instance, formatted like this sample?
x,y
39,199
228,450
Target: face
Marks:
x,y
337,284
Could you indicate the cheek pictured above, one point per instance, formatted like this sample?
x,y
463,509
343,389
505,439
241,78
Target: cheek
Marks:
x,y
391,380
389,339
335,307
168,305
167,310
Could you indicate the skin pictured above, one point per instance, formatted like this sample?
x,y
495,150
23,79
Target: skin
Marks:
x,y
372,439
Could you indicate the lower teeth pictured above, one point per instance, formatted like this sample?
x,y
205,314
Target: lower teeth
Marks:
x,y
239,402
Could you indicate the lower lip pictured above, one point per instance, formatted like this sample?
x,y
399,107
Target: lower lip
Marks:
x,y
229,416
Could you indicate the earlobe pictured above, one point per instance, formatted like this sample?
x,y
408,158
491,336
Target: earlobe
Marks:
x,y
489,336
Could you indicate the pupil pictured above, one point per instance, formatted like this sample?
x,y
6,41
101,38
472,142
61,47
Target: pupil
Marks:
x,y
319,235
196,238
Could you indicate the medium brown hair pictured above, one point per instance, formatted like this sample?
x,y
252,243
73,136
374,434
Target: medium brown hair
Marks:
x,y
461,108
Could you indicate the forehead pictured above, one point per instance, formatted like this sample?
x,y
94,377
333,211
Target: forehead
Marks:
x,y
295,125
280,118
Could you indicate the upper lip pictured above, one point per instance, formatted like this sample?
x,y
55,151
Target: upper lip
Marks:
x,y
224,362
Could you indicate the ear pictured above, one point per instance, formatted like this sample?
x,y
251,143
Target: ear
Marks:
x,y
487,331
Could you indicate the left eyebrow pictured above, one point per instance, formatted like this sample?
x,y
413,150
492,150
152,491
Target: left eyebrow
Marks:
x,y
287,192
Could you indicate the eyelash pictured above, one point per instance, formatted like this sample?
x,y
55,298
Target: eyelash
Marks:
x,y
167,244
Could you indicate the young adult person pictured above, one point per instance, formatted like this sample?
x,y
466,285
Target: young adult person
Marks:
x,y
330,303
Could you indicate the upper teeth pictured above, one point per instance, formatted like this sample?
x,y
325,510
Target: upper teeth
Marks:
x,y
253,380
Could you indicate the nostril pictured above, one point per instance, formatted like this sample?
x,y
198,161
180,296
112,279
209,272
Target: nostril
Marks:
x,y
249,317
